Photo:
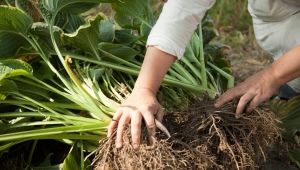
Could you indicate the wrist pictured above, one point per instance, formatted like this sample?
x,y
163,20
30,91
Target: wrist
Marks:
x,y
276,79
145,89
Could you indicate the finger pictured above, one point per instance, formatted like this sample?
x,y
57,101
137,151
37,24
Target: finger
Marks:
x,y
136,122
243,103
254,103
113,124
160,114
150,124
121,128
228,96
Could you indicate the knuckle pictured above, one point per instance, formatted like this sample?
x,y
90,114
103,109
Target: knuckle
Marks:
x,y
151,126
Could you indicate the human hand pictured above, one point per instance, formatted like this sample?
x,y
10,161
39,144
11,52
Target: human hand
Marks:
x,y
141,104
253,91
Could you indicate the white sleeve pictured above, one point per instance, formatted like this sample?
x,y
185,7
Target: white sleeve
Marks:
x,y
176,24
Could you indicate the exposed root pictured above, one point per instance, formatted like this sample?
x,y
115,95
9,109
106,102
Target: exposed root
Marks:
x,y
201,138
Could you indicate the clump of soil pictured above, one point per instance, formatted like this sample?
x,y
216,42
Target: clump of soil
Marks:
x,y
203,137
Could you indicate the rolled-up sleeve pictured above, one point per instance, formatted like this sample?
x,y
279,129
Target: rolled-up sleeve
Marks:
x,y
176,24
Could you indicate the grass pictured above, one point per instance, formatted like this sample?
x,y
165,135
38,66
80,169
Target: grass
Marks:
x,y
233,22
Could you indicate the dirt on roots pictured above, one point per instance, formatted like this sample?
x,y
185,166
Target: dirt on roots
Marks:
x,y
203,137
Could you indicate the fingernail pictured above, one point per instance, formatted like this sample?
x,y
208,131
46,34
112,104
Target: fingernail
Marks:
x,y
135,146
237,116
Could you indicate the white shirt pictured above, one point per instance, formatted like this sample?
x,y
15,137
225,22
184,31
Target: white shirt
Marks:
x,y
176,24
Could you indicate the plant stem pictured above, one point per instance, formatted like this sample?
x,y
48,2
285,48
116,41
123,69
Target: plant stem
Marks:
x,y
7,2
229,77
49,104
168,80
202,61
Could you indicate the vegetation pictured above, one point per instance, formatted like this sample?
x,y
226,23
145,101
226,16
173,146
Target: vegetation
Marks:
x,y
65,67
63,74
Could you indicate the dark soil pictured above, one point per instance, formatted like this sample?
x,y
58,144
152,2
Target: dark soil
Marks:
x,y
203,137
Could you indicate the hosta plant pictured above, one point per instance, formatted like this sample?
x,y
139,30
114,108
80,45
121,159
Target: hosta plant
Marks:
x,y
64,71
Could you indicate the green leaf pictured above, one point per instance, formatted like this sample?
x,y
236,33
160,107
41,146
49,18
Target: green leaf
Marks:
x,y
14,21
14,28
133,13
295,157
11,44
73,23
145,30
42,71
86,37
8,86
73,160
195,44
72,6
42,31
208,35
32,91
288,112
14,67
125,37
15,121
107,31
2,97
121,51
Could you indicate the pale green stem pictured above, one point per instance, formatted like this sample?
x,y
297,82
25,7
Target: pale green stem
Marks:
x,y
80,119
7,3
179,68
57,131
49,104
166,81
202,61
229,77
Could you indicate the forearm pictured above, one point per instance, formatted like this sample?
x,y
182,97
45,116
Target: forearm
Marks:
x,y
287,67
154,68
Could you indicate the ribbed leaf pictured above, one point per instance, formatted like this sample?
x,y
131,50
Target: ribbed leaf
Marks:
x,y
42,71
74,22
14,26
107,31
86,37
14,67
42,31
121,51
8,86
33,92
72,6
133,13
125,37
288,112
11,44
14,21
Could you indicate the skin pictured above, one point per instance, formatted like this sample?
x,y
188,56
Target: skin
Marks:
x,y
143,105
262,85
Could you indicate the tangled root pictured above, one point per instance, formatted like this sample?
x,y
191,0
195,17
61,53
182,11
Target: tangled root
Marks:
x,y
202,138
